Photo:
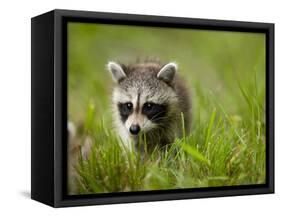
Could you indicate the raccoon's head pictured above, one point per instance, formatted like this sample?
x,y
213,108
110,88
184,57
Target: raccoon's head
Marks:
x,y
144,96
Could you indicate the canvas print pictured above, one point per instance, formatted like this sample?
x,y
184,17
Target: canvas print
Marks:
x,y
157,108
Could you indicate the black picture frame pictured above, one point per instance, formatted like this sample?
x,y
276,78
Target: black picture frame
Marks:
x,y
49,100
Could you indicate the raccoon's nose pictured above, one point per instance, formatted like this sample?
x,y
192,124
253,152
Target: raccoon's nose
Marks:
x,y
134,129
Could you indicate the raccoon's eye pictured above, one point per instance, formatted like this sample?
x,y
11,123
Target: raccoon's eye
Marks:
x,y
147,106
125,109
129,106
154,112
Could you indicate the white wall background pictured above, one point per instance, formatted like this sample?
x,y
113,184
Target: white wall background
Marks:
x,y
15,106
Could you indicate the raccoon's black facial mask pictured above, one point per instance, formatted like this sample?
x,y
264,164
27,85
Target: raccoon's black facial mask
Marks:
x,y
125,109
154,112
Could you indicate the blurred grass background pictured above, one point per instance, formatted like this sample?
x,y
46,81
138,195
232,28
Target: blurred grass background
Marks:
x,y
226,74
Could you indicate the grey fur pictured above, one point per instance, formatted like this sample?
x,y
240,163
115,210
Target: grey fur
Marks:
x,y
116,71
167,72
158,83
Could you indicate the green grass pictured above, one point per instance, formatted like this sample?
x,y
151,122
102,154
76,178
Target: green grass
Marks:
x,y
224,150
226,74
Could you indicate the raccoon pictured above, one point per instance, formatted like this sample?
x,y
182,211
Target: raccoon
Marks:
x,y
149,98
77,147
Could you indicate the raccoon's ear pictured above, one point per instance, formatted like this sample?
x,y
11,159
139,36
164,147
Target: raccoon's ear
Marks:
x,y
167,73
116,71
